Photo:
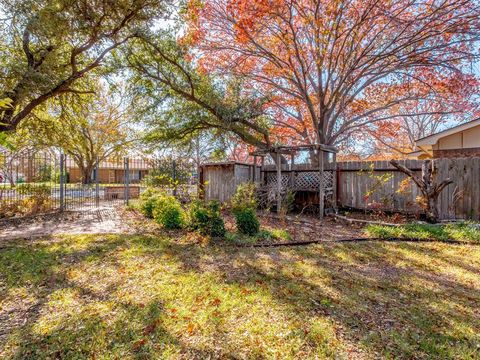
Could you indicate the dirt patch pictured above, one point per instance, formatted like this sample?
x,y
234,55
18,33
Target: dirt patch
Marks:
x,y
379,216
299,228
101,220
311,228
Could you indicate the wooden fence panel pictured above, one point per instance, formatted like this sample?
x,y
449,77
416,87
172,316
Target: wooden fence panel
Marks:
x,y
220,180
476,188
377,179
460,200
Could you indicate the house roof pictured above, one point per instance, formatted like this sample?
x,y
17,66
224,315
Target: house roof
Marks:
x,y
432,139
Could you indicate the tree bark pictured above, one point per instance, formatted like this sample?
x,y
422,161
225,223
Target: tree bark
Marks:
x,y
86,173
427,185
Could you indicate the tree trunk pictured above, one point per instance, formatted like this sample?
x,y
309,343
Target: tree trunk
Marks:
x,y
426,183
86,172
431,210
9,175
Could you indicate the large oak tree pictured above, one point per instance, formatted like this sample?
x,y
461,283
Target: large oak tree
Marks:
x,y
180,99
48,46
323,59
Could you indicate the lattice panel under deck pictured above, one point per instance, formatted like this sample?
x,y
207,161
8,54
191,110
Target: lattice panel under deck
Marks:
x,y
302,181
272,181
305,180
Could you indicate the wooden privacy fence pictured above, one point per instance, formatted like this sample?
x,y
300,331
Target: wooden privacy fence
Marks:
x,y
362,184
219,181
378,185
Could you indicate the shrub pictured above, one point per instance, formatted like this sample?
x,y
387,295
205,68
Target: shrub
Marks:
x,y
10,208
199,216
147,201
287,204
156,179
38,198
32,199
247,222
168,212
244,198
217,228
281,234
206,218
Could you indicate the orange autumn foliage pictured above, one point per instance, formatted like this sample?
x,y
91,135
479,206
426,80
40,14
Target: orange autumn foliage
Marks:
x,y
341,69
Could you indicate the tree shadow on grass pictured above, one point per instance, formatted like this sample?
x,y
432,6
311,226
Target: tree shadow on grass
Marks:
x,y
396,310
97,322
136,331
380,298
32,271
431,252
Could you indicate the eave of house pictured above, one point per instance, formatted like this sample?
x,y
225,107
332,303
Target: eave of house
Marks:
x,y
433,139
426,144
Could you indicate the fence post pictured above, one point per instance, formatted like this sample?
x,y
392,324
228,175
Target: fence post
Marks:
x,y
62,182
97,185
335,182
127,181
279,181
174,177
321,190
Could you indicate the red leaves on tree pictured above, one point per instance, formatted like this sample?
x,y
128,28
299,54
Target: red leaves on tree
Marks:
x,y
334,67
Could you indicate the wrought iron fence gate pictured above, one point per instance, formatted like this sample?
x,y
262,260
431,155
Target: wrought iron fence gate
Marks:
x,y
42,182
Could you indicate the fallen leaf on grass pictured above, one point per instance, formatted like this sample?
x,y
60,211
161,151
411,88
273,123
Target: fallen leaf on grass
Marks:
x,y
138,344
215,302
150,328
245,291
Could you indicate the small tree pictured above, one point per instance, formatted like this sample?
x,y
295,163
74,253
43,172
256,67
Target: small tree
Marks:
x,y
427,185
87,129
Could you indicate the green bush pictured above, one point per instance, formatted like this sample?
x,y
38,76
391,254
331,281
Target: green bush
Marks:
x,y
217,227
206,218
244,198
156,179
198,214
247,221
147,201
168,212
37,198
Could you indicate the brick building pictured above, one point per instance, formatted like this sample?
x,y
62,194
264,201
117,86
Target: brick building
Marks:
x,y
111,172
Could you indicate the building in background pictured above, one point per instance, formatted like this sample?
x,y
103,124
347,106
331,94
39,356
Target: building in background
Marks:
x,y
459,141
111,172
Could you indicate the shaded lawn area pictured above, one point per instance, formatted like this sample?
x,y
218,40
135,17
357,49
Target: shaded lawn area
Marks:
x,y
142,297
462,232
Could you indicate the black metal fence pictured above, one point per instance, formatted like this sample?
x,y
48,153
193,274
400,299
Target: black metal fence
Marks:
x,y
29,183
33,183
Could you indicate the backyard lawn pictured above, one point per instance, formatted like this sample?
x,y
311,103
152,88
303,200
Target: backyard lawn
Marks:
x,y
129,296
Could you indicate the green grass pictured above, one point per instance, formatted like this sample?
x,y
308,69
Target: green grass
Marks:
x,y
134,204
143,297
464,232
265,235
